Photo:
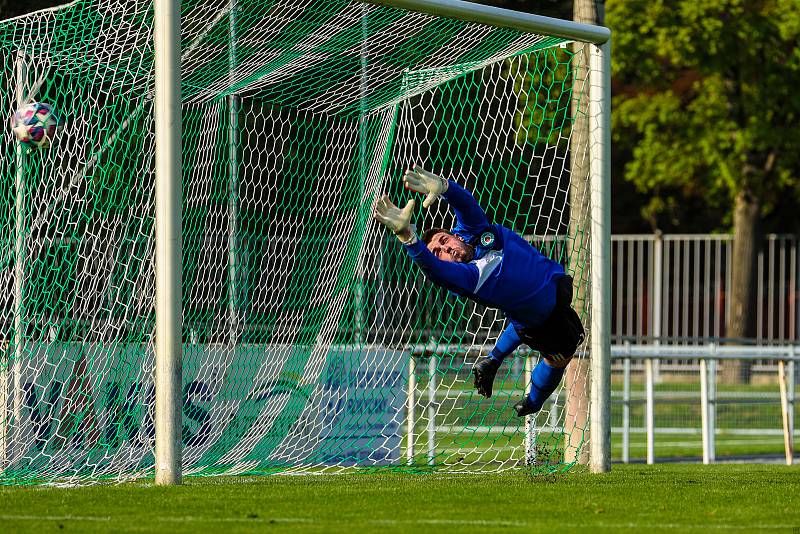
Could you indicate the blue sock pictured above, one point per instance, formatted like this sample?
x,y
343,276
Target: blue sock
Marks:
x,y
544,381
506,344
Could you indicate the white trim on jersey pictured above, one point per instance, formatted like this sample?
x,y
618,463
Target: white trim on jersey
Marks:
x,y
486,266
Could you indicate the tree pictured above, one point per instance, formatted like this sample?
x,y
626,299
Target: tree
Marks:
x,y
707,90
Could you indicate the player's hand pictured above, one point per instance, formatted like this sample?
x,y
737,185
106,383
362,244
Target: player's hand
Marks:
x,y
395,219
425,182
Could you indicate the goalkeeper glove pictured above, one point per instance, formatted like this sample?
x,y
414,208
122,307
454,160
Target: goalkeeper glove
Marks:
x,y
395,219
425,182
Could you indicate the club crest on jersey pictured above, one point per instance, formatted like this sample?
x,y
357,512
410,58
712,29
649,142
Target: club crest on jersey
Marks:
x,y
487,239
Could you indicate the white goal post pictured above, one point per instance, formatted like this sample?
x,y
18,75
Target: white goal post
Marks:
x,y
169,252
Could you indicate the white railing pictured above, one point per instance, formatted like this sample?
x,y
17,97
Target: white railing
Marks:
x,y
678,286
626,359
709,355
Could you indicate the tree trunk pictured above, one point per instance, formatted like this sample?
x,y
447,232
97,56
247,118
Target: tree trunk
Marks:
x,y
746,239
577,381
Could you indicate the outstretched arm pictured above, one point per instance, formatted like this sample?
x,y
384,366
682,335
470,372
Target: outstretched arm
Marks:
x,y
459,277
470,216
462,278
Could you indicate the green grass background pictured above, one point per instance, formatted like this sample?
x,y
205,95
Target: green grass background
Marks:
x,y
661,498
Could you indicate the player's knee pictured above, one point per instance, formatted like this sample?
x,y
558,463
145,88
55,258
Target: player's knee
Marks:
x,y
557,360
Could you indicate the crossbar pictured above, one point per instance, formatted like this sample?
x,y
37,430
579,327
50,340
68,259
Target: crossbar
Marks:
x,y
506,18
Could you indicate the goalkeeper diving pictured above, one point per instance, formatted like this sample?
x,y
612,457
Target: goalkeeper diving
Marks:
x,y
495,267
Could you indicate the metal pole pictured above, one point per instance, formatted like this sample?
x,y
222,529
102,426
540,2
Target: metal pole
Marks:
x,y
626,410
19,272
649,400
168,260
432,365
658,285
411,402
495,16
363,166
712,403
791,384
530,436
704,408
233,186
787,433
5,424
600,184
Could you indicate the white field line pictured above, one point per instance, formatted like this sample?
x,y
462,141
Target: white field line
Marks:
x,y
11,517
421,521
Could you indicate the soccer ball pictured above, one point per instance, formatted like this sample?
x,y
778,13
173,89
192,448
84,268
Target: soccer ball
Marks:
x,y
35,124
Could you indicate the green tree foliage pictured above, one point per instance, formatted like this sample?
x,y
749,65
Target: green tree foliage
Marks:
x,y
707,100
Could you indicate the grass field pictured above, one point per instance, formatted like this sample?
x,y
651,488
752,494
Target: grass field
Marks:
x,y
662,498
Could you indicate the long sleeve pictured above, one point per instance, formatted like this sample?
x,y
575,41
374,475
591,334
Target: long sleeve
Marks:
x,y
470,217
506,344
461,278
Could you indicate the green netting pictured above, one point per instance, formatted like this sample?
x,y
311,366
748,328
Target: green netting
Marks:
x,y
311,343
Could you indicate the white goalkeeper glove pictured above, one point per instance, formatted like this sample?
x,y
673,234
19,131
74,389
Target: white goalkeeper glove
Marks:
x,y
395,219
422,181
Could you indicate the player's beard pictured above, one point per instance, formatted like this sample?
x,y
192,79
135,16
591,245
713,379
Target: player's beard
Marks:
x,y
466,254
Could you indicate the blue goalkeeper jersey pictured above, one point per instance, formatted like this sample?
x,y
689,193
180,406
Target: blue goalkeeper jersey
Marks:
x,y
506,273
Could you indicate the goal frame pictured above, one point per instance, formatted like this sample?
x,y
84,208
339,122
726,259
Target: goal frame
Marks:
x,y
168,253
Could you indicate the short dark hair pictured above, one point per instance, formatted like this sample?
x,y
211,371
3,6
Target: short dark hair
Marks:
x,y
428,234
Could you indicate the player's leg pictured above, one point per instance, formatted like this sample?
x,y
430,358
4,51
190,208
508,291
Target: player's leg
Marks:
x,y
545,378
557,340
486,368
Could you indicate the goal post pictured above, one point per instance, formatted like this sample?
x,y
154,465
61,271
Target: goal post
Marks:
x,y
168,243
600,183
205,291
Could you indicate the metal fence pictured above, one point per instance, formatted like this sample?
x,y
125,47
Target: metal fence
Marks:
x,y
690,415
669,314
674,288
695,413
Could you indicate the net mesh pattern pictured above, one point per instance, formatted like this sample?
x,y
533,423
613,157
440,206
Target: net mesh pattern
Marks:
x,y
311,342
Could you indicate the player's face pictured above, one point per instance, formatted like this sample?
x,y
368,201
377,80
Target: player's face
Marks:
x,y
448,247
